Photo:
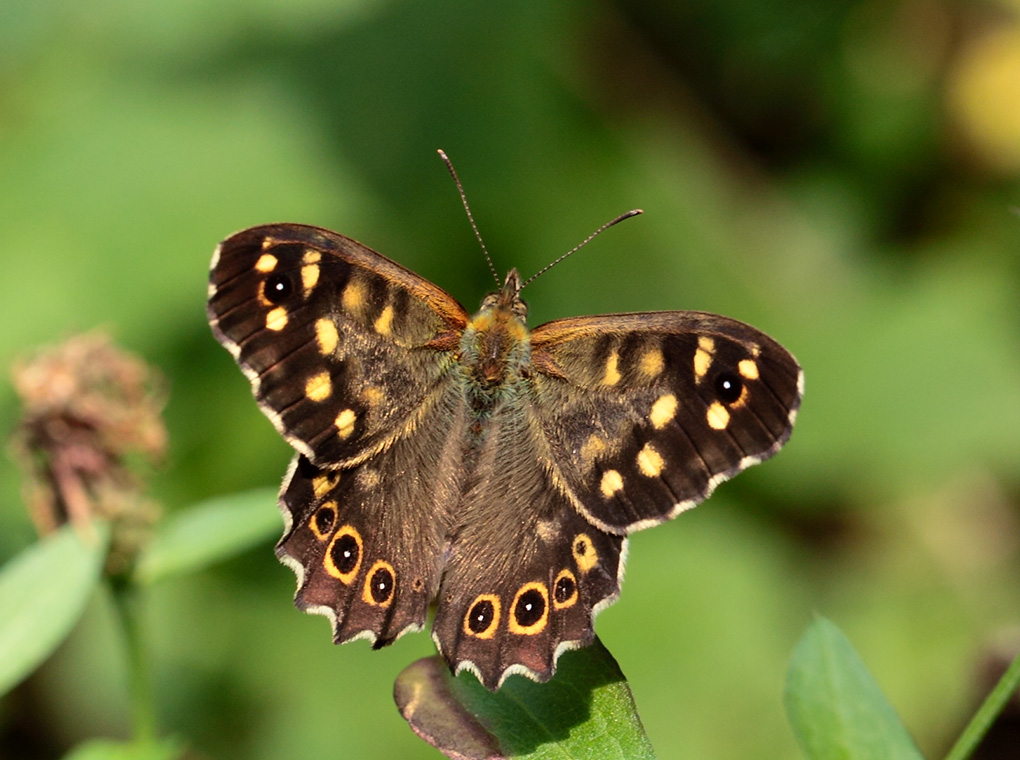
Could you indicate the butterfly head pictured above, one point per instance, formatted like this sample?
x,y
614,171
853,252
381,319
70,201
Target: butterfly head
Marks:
x,y
497,334
507,299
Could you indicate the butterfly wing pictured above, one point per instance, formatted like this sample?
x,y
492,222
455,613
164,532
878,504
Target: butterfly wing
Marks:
x,y
525,573
348,354
645,414
344,348
367,543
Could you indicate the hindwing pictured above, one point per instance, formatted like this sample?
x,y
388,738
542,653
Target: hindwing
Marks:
x,y
526,573
367,542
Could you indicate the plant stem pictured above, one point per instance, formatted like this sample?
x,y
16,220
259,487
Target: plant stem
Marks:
x,y
986,714
143,708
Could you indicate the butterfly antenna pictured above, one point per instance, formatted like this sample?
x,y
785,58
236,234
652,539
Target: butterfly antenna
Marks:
x,y
582,244
467,208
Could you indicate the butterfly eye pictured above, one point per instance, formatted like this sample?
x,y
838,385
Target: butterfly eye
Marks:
x,y
728,387
529,609
278,287
564,590
343,557
323,520
482,617
379,585
345,553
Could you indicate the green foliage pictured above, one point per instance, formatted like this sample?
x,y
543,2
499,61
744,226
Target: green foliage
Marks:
x,y
817,169
836,709
42,594
107,750
585,711
209,532
1007,688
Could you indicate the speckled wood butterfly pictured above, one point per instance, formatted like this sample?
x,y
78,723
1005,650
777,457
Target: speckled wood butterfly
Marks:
x,y
469,460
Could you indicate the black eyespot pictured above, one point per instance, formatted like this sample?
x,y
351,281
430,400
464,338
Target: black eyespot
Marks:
x,y
581,547
480,617
728,387
381,585
529,608
324,519
278,287
564,589
345,553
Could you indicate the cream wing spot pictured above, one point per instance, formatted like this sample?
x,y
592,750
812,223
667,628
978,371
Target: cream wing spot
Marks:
x,y
748,369
319,387
650,462
703,357
612,482
354,296
612,374
384,323
326,336
322,484
276,319
663,410
368,478
546,530
309,278
345,422
717,416
584,552
652,363
372,395
267,262
592,449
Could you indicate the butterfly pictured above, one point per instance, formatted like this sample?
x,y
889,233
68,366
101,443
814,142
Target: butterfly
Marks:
x,y
470,461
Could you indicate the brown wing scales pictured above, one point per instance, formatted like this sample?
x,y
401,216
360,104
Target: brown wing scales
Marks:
x,y
338,341
646,413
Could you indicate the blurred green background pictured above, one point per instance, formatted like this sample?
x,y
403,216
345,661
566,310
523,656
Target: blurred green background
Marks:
x,y
843,175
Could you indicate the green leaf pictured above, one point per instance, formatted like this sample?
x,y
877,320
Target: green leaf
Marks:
x,y
103,749
836,709
587,710
208,533
42,594
983,719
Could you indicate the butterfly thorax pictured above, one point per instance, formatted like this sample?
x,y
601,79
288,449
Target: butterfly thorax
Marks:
x,y
495,349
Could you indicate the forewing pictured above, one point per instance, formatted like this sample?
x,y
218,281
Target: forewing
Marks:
x,y
646,413
341,344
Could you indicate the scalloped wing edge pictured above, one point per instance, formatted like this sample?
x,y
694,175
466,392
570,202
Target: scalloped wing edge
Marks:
x,y
298,569
564,646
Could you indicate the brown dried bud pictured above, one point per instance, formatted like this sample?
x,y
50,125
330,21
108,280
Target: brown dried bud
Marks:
x,y
89,408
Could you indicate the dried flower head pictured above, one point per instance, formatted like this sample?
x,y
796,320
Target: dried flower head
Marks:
x,y
90,408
